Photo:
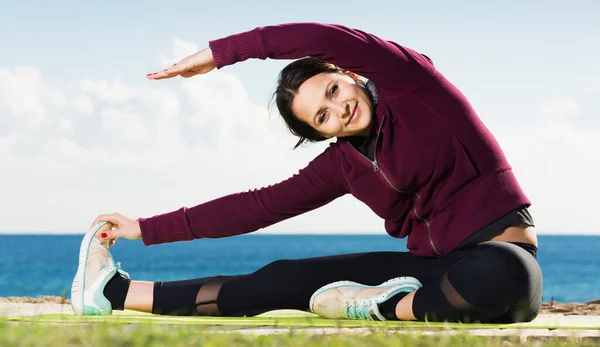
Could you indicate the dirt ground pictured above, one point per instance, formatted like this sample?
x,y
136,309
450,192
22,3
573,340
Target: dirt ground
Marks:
x,y
591,308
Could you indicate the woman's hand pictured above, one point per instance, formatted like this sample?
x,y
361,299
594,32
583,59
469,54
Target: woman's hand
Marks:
x,y
122,226
198,63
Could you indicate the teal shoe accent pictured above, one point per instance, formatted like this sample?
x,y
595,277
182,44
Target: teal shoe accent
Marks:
x,y
121,271
99,299
369,310
354,310
117,265
91,311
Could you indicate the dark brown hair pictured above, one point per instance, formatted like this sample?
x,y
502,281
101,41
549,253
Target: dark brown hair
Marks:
x,y
290,79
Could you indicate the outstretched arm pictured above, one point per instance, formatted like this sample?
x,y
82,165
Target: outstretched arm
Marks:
x,y
314,186
391,66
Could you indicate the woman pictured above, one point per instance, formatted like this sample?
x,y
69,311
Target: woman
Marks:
x,y
409,145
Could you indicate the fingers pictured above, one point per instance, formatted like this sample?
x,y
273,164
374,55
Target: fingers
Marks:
x,y
112,234
162,75
110,218
118,226
200,62
169,72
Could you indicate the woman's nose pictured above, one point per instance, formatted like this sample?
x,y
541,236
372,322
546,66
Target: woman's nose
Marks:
x,y
342,110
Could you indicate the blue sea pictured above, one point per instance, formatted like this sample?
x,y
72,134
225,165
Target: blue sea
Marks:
x,y
35,265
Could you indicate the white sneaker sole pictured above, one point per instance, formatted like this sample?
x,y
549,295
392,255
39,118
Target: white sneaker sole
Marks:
x,y
407,281
90,301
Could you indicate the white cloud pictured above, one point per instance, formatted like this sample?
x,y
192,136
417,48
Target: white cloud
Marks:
x,y
126,126
101,146
70,152
114,92
558,163
179,49
560,110
20,95
82,105
65,124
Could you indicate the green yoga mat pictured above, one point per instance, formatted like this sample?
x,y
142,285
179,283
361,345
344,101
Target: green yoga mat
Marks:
x,y
290,318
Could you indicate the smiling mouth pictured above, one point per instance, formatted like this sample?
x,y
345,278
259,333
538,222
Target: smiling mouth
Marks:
x,y
353,114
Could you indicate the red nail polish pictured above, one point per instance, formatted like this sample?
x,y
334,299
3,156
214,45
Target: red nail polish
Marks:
x,y
104,235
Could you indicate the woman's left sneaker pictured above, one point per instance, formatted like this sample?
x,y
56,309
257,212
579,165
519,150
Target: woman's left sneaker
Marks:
x,y
351,300
96,268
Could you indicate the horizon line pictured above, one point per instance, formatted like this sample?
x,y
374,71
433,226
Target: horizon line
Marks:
x,y
50,233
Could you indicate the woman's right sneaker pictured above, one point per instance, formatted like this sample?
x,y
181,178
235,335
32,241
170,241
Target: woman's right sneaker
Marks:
x,y
351,300
96,268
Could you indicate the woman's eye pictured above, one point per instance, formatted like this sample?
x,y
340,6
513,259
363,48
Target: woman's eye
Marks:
x,y
334,90
323,118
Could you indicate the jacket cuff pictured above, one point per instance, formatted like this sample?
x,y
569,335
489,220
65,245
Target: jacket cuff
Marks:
x,y
236,48
168,227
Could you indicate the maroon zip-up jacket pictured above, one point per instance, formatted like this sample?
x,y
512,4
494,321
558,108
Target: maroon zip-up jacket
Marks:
x,y
438,175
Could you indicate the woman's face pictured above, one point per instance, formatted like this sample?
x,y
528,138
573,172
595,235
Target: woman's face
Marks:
x,y
334,104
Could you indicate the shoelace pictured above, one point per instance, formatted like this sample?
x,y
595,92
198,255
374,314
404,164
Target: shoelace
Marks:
x,y
357,310
120,270
117,265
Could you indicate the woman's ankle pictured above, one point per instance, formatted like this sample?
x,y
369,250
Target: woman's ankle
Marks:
x,y
404,308
116,291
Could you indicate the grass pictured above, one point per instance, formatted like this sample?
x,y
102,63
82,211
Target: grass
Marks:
x,y
130,335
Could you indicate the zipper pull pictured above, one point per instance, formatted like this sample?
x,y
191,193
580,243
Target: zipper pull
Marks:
x,y
375,166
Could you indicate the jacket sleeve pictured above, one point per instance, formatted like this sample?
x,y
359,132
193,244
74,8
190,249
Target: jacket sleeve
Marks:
x,y
391,66
319,183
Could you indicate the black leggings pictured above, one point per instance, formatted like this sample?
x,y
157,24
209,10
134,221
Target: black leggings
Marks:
x,y
491,282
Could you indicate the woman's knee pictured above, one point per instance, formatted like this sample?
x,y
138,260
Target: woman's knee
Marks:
x,y
508,266
496,282
523,283
496,277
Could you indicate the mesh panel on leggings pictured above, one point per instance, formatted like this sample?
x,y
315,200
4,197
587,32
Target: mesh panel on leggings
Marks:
x,y
206,300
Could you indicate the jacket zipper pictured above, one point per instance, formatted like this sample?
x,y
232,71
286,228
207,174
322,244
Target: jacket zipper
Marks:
x,y
377,169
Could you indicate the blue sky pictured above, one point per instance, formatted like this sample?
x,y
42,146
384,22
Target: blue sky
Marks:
x,y
544,47
530,69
